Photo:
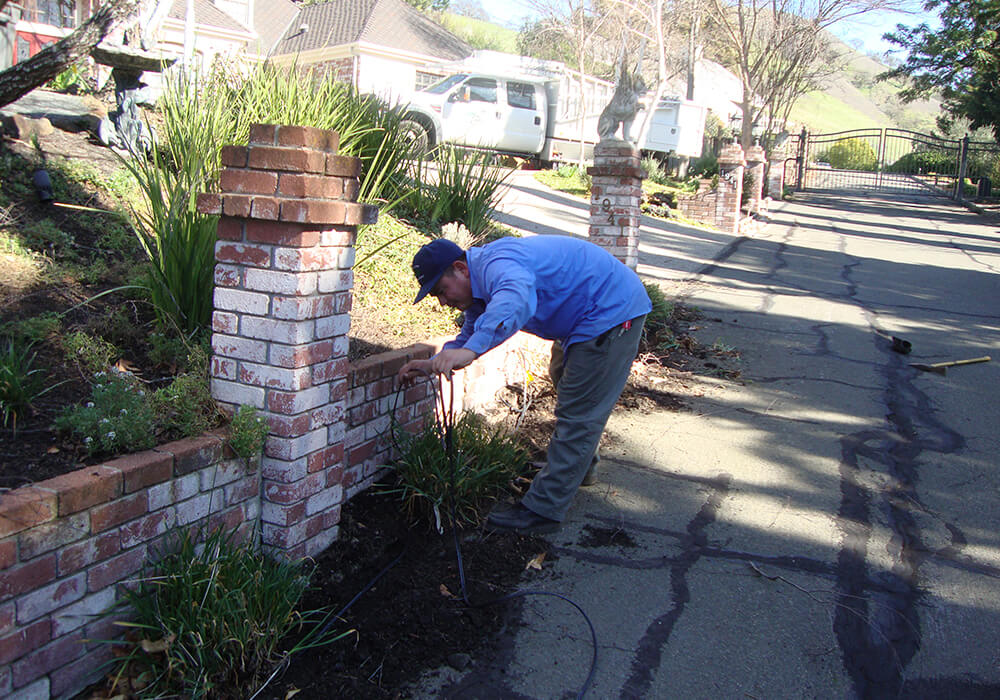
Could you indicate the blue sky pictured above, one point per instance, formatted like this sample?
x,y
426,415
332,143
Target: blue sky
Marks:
x,y
868,28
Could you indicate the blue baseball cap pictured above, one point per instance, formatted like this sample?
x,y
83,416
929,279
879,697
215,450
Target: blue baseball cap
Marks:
x,y
431,261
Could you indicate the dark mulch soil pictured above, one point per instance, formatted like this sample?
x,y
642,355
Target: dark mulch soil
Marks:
x,y
414,618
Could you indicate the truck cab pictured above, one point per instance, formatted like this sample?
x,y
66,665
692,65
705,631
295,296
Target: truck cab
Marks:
x,y
482,111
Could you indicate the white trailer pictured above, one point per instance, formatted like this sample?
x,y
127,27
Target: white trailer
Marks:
x,y
527,106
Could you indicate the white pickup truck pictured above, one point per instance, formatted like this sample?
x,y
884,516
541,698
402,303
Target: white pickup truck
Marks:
x,y
538,116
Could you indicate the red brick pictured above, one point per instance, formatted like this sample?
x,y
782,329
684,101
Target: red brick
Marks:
x,y
118,511
343,166
25,640
248,181
116,569
7,618
236,205
193,453
263,133
8,553
266,208
72,677
383,387
27,577
324,459
302,356
49,657
84,488
360,453
335,476
145,529
96,549
25,507
286,234
234,156
312,186
288,426
294,159
415,393
362,414
242,254
242,490
229,520
209,203
308,137
143,469
365,371
230,229
328,371
313,211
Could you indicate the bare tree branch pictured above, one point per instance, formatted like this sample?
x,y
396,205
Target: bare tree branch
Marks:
x,y
24,77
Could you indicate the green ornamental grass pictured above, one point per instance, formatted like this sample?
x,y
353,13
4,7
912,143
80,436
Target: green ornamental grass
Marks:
x,y
485,459
213,618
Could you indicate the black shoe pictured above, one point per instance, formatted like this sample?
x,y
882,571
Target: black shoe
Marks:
x,y
520,520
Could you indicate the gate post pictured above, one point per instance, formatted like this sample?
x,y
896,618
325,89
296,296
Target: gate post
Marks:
x,y
963,166
800,176
730,191
756,162
283,286
776,173
615,197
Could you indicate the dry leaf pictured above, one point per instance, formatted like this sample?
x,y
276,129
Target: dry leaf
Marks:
x,y
445,592
52,450
536,562
158,646
292,692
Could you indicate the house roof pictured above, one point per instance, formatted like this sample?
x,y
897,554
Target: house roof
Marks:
x,y
206,14
390,23
272,19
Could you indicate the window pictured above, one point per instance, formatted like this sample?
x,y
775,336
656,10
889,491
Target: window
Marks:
x,y
425,80
58,13
482,90
521,95
446,84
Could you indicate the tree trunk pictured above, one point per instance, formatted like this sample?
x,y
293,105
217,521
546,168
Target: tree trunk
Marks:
x,y
24,77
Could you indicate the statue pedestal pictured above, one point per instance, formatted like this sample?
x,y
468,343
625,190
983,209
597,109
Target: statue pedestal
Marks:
x,y
615,196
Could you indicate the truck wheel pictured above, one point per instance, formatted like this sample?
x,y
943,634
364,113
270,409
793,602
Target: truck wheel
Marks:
x,y
416,135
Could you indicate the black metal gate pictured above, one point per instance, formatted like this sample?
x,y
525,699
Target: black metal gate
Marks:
x,y
894,161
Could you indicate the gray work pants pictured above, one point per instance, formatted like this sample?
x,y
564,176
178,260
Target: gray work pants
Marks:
x,y
594,374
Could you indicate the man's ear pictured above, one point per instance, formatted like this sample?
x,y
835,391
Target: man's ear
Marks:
x,y
460,267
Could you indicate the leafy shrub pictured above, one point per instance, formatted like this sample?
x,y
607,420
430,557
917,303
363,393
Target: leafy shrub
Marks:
x,y
186,406
118,419
21,384
209,619
35,328
486,458
46,235
247,432
923,162
705,166
657,333
850,154
91,355
655,171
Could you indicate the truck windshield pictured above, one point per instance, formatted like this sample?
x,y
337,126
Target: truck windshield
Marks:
x,y
446,84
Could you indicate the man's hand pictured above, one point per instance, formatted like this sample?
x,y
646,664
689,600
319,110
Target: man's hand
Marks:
x,y
412,370
448,360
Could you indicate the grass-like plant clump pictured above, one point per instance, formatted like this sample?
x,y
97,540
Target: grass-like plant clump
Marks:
x,y
434,485
21,382
247,432
212,619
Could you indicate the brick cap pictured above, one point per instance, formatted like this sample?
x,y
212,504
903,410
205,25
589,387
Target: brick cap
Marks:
x,y
632,171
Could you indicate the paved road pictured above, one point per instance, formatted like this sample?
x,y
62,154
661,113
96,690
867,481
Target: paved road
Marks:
x,y
828,529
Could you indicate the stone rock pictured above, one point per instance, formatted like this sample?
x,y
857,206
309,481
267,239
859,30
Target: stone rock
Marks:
x,y
459,661
24,128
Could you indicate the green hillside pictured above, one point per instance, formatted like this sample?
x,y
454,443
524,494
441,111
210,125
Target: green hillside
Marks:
x,y
852,99
479,34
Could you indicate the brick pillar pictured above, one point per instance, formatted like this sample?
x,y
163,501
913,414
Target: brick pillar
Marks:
x,y
614,199
756,162
727,204
776,173
283,280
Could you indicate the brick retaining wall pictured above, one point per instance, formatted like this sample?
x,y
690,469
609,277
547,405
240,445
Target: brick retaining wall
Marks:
x,y
68,543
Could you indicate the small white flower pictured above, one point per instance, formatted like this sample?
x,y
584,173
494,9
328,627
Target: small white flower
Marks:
x,y
90,404
123,412
141,392
88,440
101,374
104,420
111,435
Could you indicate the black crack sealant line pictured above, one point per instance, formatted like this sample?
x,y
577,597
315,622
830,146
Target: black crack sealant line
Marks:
x,y
445,420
